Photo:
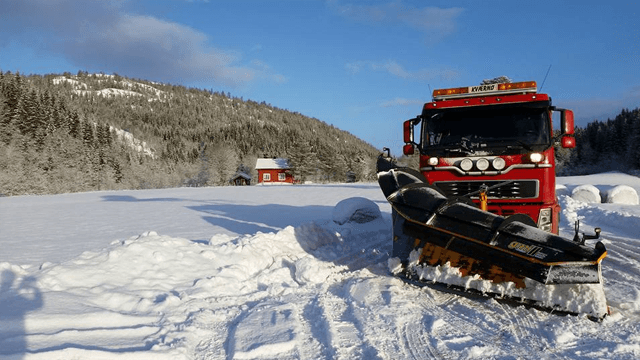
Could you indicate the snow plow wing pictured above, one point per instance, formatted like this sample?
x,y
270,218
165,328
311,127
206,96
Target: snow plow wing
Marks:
x,y
451,241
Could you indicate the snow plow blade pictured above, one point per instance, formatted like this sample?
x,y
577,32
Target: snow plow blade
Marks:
x,y
451,241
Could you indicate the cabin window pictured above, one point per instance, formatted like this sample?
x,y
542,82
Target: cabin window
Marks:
x,y
266,177
282,177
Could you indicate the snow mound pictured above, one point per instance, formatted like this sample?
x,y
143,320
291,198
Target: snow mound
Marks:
x,y
621,194
355,209
310,270
586,193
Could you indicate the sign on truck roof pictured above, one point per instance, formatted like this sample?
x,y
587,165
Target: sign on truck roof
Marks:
x,y
485,90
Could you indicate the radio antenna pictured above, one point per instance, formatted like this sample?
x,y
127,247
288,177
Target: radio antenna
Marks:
x,y
545,77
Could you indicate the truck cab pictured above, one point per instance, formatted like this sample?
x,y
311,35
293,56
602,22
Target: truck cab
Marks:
x,y
497,137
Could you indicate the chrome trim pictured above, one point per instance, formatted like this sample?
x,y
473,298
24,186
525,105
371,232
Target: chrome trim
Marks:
x,y
492,172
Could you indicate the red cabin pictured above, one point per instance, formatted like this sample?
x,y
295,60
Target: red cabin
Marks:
x,y
274,171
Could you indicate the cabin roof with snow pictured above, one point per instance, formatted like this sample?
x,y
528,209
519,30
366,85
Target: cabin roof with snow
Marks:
x,y
279,163
242,175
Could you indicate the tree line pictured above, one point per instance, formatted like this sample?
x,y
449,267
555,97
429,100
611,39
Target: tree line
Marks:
x,y
602,146
64,133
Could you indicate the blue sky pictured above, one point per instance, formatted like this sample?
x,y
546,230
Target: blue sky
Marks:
x,y
363,66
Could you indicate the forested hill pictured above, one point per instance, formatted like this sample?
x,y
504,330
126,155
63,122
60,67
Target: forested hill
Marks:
x,y
604,146
67,133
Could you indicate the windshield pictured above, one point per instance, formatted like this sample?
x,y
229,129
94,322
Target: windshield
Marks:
x,y
488,130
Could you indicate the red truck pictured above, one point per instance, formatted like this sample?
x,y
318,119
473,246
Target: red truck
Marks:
x,y
497,137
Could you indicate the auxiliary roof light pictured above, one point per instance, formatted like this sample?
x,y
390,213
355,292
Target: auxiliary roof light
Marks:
x,y
518,85
485,90
452,91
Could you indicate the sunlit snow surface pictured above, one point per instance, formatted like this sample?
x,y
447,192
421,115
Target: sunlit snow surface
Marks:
x,y
265,273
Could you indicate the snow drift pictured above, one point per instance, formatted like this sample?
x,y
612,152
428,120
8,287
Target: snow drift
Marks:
x,y
223,278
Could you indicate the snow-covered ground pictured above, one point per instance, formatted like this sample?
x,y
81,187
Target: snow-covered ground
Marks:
x,y
266,273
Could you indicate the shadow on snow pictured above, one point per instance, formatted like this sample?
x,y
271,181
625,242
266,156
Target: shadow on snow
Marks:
x,y
17,298
250,219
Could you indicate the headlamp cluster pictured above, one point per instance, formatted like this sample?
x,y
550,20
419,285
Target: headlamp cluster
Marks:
x,y
482,164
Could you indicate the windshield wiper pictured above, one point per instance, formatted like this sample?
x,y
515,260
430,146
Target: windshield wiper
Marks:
x,y
522,145
459,147
464,145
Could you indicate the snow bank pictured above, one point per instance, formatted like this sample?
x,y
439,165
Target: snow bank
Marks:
x,y
155,296
586,193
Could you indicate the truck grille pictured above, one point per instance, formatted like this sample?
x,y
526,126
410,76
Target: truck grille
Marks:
x,y
519,189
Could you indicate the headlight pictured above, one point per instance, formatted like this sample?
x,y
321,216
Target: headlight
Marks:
x,y
499,163
466,164
544,219
433,161
536,157
482,164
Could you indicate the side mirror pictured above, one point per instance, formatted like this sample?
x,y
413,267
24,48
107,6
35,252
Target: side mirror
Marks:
x,y
566,122
568,142
408,149
408,134
407,128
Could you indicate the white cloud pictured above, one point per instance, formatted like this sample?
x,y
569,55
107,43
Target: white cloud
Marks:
x,y
354,67
589,109
401,102
432,20
100,35
397,70
265,71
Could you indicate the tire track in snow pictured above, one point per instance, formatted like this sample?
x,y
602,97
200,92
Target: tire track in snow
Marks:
x,y
312,336
626,250
523,325
215,323
464,326
343,335
444,332
621,274
417,343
